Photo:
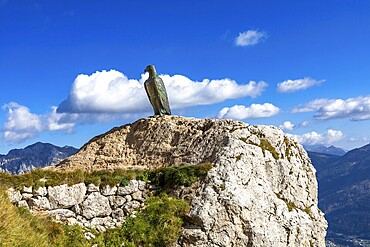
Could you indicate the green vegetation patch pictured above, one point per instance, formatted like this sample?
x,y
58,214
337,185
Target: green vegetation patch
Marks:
x,y
18,227
287,147
169,177
158,224
307,210
174,177
266,145
244,139
45,177
289,204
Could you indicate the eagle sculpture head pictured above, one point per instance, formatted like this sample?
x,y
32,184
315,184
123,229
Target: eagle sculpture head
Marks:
x,y
150,69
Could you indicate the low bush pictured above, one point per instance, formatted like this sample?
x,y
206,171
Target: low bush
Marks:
x,y
174,177
158,224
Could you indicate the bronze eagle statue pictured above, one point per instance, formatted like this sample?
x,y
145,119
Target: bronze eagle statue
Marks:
x,y
156,92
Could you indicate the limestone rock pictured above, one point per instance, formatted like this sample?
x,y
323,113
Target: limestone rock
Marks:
x,y
116,201
138,196
26,196
62,214
66,196
98,221
95,205
39,203
41,191
131,188
92,188
261,191
22,203
14,195
118,213
27,189
108,190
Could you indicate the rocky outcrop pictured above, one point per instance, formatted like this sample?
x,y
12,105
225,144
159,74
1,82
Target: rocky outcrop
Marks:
x,y
82,205
261,191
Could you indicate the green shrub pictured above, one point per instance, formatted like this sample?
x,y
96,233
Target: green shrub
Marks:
x,y
158,224
174,177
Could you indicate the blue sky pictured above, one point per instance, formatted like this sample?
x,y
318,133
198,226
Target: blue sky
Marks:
x,y
301,65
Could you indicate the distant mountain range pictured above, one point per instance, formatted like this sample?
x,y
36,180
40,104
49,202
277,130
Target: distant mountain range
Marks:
x,y
325,150
19,161
344,195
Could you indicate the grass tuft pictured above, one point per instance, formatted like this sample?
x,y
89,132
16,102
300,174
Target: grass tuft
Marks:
x,y
266,145
174,177
159,224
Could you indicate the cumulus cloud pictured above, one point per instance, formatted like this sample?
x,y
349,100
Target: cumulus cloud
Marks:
x,y
312,138
240,112
287,125
290,86
355,109
249,38
22,124
112,92
304,124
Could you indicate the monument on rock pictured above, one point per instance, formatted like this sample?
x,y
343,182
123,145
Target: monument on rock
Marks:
x,y
261,190
156,92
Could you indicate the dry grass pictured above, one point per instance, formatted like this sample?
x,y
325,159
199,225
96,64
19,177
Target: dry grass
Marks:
x,y
16,230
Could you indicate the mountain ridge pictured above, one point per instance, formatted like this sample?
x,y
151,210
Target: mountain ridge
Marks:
x,y
325,150
344,193
36,155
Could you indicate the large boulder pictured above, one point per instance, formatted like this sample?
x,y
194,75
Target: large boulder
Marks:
x,y
96,205
64,196
261,191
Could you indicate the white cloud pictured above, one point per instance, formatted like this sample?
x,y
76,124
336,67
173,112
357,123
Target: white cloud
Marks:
x,y
250,37
60,121
112,92
304,124
313,105
353,108
108,95
290,86
312,138
21,124
240,112
360,139
287,125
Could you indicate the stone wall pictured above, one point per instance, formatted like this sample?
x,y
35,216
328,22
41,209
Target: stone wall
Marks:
x,y
89,206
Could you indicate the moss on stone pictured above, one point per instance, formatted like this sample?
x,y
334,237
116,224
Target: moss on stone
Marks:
x,y
266,145
289,204
244,139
